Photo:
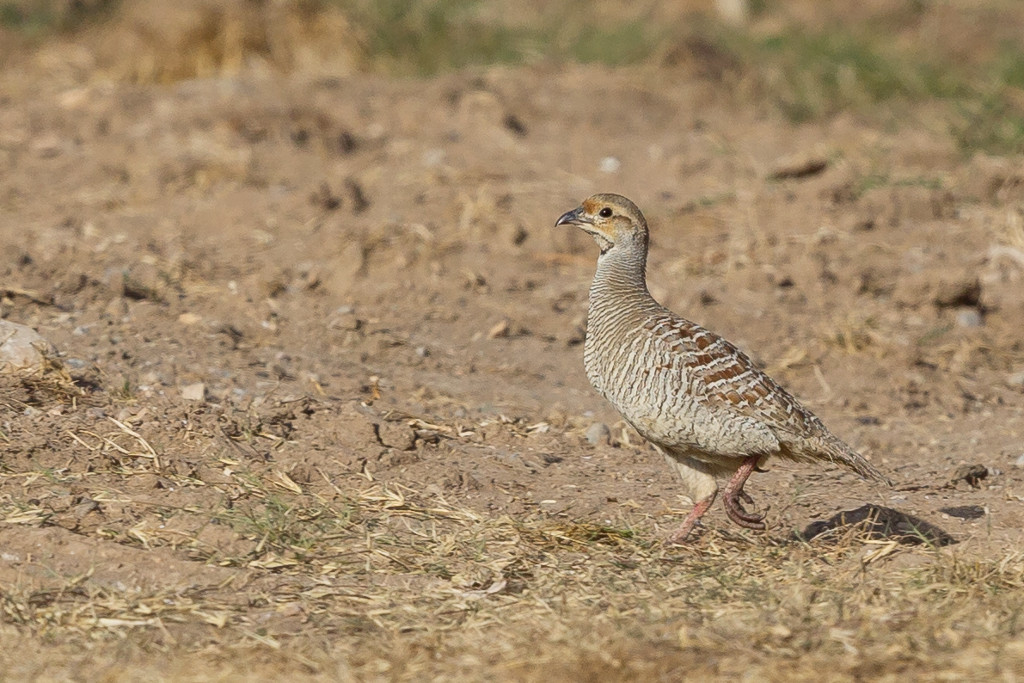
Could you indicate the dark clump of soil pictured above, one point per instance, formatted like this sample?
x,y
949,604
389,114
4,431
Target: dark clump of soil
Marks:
x,y
881,523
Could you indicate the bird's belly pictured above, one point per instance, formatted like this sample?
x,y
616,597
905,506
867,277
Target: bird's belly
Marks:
x,y
659,415
670,413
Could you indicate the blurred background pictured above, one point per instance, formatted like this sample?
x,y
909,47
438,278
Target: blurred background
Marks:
x,y
805,58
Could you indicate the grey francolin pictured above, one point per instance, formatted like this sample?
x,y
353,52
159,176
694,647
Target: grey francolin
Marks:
x,y
689,392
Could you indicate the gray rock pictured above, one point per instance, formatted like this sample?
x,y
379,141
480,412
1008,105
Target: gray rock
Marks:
x,y
397,435
969,317
599,433
21,347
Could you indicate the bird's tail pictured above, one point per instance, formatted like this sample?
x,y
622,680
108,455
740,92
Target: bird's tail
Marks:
x,y
840,453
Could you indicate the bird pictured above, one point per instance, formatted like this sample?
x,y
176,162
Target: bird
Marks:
x,y
691,393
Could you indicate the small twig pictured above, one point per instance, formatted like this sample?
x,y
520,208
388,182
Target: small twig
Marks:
x,y
145,444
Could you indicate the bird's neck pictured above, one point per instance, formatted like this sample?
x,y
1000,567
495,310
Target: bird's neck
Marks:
x,y
620,283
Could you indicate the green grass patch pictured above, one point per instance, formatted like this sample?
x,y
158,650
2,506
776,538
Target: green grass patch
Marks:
x,y
810,75
38,18
628,43
286,525
428,38
31,20
993,120
881,64
425,38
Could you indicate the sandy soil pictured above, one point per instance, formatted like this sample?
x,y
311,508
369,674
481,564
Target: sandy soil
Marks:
x,y
282,289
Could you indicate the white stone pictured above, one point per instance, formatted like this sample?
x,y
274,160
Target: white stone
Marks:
x,y
610,165
194,392
733,11
1015,380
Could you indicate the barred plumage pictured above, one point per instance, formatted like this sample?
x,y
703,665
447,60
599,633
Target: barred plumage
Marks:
x,y
691,393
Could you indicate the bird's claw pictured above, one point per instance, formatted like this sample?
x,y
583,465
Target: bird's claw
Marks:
x,y
737,513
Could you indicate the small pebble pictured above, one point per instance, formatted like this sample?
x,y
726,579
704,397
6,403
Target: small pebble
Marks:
x,y
610,165
972,474
47,146
116,307
1019,462
433,157
500,329
735,12
396,435
599,433
85,507
969,317
194,392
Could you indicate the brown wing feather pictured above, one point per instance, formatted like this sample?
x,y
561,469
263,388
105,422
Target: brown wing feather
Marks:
x,y
728,378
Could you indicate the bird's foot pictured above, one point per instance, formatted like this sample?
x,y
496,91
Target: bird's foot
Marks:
x,y
680,535
734,493
737,513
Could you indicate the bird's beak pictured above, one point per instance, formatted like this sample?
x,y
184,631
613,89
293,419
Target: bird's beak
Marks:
x,y
574,217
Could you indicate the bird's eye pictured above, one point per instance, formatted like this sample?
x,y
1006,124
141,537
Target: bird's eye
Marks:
x,y
606,212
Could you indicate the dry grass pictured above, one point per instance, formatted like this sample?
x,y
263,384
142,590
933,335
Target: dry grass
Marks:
x,y
396,584
355,579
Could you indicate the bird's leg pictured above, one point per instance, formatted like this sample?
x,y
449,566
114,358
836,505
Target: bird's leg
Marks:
x,y
691,520
734,493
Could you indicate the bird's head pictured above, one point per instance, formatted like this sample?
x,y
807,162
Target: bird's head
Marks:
x,y
612,220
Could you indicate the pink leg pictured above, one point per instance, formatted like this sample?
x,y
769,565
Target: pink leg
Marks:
x,y
734,493
691,520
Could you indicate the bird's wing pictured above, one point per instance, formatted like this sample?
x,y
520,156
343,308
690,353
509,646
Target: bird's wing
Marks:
x,y
728,378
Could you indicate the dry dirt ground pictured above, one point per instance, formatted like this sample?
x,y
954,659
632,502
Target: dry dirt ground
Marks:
x,y
318,407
